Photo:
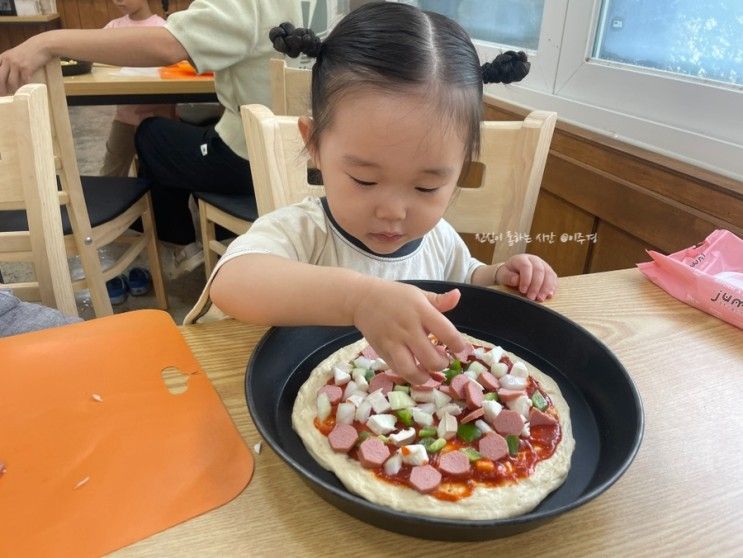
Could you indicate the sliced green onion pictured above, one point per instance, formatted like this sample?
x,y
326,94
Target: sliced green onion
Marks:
x,y
539,401
435,446
427,432
405,416
492,396
369,374
404,389
383,438
426,442
363,435
471,453
455,365
468,432
449,373
513,445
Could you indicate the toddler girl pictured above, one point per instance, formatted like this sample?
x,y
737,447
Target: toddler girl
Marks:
x,y
120,144
396,109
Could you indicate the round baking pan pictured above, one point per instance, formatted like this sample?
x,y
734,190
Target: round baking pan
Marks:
x,y
78,68
605,407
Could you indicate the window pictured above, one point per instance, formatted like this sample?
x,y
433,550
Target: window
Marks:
x,y
508,22
698,39
665,75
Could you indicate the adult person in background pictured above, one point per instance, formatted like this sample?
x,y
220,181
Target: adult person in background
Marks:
x,y
227,37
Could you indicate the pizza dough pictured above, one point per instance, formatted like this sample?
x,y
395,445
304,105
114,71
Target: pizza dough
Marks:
x,y
485,501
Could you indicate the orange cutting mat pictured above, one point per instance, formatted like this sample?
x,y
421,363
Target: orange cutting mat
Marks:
x,y
98,452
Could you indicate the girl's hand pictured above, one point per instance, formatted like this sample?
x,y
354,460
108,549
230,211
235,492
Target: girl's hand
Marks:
x,y
533,277
396,319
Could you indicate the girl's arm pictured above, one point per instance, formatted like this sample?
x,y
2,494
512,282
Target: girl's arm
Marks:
x,y
133,46
533,277
394,317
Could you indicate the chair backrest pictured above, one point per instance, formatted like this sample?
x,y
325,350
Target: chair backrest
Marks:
x,y
27,182
290,89
65,162
513,156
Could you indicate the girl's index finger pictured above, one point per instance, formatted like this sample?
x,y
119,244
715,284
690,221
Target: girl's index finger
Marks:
x,y
446,333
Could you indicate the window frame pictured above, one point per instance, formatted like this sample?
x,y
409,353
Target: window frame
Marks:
x,y
689,119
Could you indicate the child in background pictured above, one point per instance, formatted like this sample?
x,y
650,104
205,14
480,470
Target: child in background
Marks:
x,y
396,108
120,145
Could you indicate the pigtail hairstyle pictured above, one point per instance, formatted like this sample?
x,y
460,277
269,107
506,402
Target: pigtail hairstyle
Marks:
x,y
397,48
294,41
507,67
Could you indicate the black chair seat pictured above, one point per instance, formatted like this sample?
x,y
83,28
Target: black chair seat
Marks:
x,y
242,206
106,197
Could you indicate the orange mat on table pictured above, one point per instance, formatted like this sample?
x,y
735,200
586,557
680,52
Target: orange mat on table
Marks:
x,y
98,453
182,69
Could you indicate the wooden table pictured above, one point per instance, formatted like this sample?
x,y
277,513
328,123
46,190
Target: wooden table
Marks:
x,y
682,496
106,86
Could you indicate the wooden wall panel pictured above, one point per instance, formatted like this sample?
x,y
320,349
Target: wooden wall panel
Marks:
x,y
12,34
560,234
637,199
644,216
616,249
650,176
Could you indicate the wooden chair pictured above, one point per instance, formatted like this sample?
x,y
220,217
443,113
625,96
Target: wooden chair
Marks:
x,y
511,165
28,183
95,211
290,94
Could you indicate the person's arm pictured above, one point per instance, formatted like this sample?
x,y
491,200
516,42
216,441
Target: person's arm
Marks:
x,y
394,317
531,275
135,46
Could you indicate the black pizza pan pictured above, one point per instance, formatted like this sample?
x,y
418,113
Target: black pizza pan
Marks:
x,y
80,67
605,407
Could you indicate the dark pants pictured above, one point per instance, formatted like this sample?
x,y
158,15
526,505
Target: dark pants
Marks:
x,y
171,157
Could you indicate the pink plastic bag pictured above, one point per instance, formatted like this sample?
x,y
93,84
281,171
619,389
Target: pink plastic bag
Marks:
x,y
708,276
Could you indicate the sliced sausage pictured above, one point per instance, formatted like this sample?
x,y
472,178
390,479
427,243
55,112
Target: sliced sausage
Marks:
x,y
474,415
464,354
342,438
457,385
370,353
473,395
509,394
373,453
537,418
440,376
447,390
381,381
454,463
429,384
334,393
493,446
508,422
488,381
425,478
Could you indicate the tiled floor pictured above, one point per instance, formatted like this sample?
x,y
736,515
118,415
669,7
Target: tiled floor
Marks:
x,y
90,126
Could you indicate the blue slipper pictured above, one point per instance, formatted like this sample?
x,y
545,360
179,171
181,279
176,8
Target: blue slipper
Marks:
x,y
139,281
117,289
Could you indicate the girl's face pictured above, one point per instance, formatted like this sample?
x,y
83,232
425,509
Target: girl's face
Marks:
x,y
390,166
130,7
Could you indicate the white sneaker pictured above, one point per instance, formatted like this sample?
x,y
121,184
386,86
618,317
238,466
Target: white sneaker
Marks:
x,y
179,260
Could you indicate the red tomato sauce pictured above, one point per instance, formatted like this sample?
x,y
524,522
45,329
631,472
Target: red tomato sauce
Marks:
x,y
540,445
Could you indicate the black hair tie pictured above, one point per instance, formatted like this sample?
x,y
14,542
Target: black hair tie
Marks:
x,y
507,67
295,41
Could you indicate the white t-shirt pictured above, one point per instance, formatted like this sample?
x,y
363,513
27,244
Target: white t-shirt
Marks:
x,y
306,232
230,38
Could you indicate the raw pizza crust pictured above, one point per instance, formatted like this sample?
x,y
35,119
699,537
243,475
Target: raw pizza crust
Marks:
x,y
484,502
